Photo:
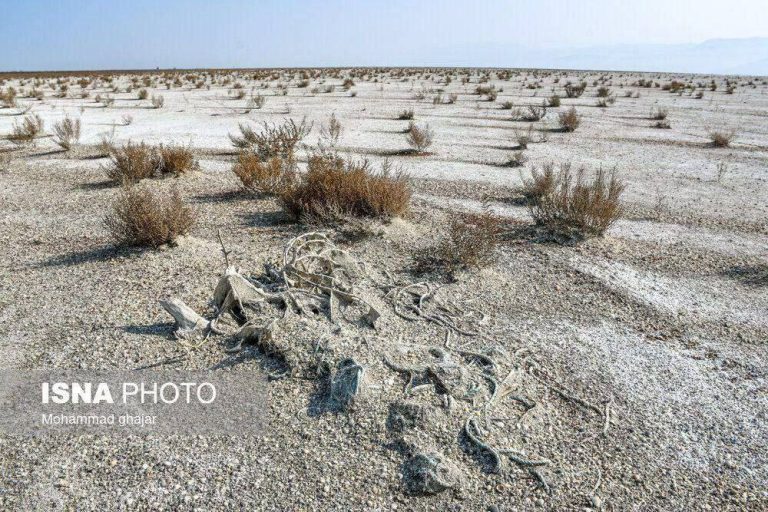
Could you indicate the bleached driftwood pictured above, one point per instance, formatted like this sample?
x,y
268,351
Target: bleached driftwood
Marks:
x,y
187,321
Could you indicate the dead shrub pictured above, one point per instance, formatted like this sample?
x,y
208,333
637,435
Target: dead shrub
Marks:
x,y
574,91
470,243
157,101
176,160
67,133
419,137
130,163
406,115
659,113
332,131
273,140
569,120
721,138
8,98
142,218
273,176
142,94
334,188
554,101
27,131
567,204
530,114
518,159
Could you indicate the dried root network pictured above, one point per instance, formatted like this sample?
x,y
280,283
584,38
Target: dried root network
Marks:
x,y
302,312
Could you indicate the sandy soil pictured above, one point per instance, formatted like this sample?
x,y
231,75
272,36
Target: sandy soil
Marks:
x,y
663,322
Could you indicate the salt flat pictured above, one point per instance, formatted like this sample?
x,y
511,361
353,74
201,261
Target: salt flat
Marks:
x,y
661,324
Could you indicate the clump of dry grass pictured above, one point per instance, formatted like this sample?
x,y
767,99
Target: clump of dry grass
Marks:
x,y
157,101
176,160
568,204
331,132
470,243
419,137
273,140
554,101
518,159
130,163
406,115
569,120
274,176
27,131
142,218
721,138
142,94
574,91
334,188
8,98
67,133
659,113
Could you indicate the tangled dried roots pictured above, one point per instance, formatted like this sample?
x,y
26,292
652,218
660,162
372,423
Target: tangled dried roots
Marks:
x,y
275,310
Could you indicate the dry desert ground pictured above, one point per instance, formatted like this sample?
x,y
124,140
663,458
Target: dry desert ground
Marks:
x,y
618,372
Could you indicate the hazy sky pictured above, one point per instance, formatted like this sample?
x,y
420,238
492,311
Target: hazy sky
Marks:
x,y
91,34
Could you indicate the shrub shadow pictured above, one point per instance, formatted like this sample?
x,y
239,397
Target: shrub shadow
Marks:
x,y
749,275
100,254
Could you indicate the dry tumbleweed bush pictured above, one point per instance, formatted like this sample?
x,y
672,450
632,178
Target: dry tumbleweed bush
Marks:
x,y
568,204
334,188
722,138
274,140
332,131
419,137
27,131
569,120
140,217
67,132
471,242
174,160
130,163
273,176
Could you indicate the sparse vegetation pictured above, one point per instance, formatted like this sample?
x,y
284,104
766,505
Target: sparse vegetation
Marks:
x,y
27,131
470,243
130,163
67,133
574,91
157,101
273,176
175,160
419,137
568,204
334,188
142,218
273,140
721,138
569,120
659,113
332,131
406,115
518,159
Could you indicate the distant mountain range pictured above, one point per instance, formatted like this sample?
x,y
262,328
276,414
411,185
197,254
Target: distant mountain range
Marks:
x,y
715,56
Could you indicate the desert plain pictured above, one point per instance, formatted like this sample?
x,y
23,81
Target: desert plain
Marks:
x,y
628,370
